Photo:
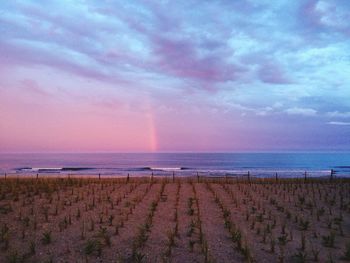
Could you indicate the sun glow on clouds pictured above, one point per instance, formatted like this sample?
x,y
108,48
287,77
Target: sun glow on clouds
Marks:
x,y
207,76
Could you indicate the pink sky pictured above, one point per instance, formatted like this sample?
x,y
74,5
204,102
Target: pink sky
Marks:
x,y
92,76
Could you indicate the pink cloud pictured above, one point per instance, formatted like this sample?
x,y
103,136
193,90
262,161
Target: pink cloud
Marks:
x,y
331,16
309,15
180,58
273,74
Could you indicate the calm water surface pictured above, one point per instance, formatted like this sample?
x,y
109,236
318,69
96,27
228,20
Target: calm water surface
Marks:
x,y
259,164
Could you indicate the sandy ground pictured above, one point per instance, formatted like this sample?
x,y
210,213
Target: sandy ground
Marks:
x,y
111,220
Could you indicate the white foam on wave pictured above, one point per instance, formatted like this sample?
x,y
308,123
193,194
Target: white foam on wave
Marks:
x,y
35,169
165,168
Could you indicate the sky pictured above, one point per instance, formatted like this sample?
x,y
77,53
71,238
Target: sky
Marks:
x,y
165,76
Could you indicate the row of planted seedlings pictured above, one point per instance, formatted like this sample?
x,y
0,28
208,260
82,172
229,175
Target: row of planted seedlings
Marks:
x,y
237,234
17,206
258,222
144,229
319,221
202,239
183,240
59,209
165,235
289,216
194,228
23,200
173,232
112,220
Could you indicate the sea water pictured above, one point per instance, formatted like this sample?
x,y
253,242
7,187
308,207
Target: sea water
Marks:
x,y
181,164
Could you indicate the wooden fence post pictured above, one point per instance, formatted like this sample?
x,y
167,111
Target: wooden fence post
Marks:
x,y
332,174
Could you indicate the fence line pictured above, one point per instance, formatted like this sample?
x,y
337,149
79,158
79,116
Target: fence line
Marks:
x,y
171,174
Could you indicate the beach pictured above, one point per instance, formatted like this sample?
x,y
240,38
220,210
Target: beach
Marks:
x,y
145,219
174,131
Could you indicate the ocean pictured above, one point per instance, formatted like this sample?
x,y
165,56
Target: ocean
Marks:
x,y
181,164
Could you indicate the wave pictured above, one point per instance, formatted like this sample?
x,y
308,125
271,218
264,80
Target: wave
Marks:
x,y
77,169
169,169
149,168
53,169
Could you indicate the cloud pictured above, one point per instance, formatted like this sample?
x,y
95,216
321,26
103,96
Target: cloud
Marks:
x,y
341,123
338,114
180,58
301,111
264,60
319,16
272,74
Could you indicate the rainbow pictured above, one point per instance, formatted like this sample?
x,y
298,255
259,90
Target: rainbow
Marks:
x,y
152,128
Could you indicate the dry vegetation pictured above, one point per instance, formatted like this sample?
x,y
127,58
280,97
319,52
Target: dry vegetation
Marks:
x,y
181,220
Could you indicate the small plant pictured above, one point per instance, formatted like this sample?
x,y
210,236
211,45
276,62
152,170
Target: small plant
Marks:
x,y
78,214
46,238
141,237
304,225
110,220
191,228
236,236
299,257
138,257
260,217
14,257
303,242
346,255
154,205
226,213
315,253
26,221
330,258
301,199
5,209
328,241
32,248
282,240
92,225
45,211
105,236
3,232
171,238
93,246
116,230
191,244
247,253
320,212
272,245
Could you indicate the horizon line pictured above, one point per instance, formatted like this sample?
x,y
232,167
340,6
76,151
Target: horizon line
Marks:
x,y
178,152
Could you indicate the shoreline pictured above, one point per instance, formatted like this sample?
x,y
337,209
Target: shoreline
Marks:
x,y
176,177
